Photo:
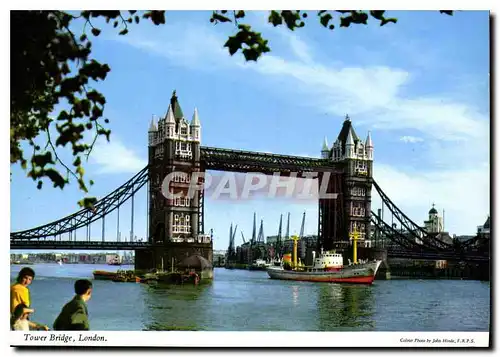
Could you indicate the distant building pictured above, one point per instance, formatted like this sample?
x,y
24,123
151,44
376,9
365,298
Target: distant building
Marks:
x,y
484,230
219,258
272,239
435,223
463,238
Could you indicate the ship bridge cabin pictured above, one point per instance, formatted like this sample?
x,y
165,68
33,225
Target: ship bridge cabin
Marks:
x,y
329,260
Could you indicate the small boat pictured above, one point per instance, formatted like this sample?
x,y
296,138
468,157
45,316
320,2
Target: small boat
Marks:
x,y
125,276
259,264
328,267
103,275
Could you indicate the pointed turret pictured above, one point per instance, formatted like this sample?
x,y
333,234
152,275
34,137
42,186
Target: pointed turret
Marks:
x,y
350,140
195,126
349,146
368,142
369,146
325,144
342,138
152,126
152,132
169,117
176,107
196,120
170,123
325,151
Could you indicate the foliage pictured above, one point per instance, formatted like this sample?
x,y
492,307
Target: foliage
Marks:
x,y
252,45
43,50
51,69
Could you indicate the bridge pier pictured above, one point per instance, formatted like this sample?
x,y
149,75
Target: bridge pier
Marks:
x,y
384,271
166,257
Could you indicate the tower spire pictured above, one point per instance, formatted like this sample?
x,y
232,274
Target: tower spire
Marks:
x,y
196,120
170,115
174,102
325,151
152,125
325,144
368,142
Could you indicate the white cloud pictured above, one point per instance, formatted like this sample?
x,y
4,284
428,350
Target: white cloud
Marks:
x,y
452,190
114,157
299,47
410,139
185,45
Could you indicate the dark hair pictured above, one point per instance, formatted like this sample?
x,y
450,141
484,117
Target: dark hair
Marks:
x,y
81,286
25,272
18,312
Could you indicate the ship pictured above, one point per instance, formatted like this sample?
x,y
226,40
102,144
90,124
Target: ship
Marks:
x,y
259,264
328,267
103,275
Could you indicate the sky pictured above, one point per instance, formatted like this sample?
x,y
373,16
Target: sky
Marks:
x,y
421,87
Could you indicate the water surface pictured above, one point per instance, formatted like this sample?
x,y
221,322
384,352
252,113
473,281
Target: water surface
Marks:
x,y
240,300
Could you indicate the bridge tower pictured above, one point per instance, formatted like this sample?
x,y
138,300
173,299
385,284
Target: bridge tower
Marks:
x,y
338,218
175,225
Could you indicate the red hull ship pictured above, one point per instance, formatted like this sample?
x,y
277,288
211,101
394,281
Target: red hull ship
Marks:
x,y
363,273
328,268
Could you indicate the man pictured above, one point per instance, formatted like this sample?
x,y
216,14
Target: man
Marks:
x,y
74,315
19,292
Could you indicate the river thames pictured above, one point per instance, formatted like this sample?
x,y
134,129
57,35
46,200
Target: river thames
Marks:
x,y
240,300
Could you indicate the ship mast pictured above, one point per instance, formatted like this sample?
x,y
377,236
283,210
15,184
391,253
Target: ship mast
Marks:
x,y
354,236
295,240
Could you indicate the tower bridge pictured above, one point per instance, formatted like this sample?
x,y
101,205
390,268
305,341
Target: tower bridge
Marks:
x,y
176,226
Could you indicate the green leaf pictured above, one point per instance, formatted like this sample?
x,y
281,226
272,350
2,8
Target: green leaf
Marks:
x,y
275,18
386,21
233,44
325,19
77,162
378,14
80,171
345,21
219,17
96,31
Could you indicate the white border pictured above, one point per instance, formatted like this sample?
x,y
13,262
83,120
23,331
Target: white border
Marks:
x,y
123,339
250,339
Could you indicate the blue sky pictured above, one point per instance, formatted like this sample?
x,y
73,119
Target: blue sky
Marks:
x,y
421,86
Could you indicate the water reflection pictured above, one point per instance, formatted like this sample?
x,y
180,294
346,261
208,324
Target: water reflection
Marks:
x,y
295,295
345,307
165,307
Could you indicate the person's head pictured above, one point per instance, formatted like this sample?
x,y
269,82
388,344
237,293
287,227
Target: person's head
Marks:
x,y
21,312
83,288
26,276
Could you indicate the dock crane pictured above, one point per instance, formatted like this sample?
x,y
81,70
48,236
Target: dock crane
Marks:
x,y
302,225
243,237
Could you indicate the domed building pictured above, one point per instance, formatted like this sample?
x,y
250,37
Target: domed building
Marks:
x,y
435,223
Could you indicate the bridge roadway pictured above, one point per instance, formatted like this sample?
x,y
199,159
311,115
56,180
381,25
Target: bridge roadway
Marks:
x,y
82,245
113,245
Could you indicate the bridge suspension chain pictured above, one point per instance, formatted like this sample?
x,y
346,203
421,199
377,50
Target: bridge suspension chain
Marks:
x,y
392,234
82,217
414,229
